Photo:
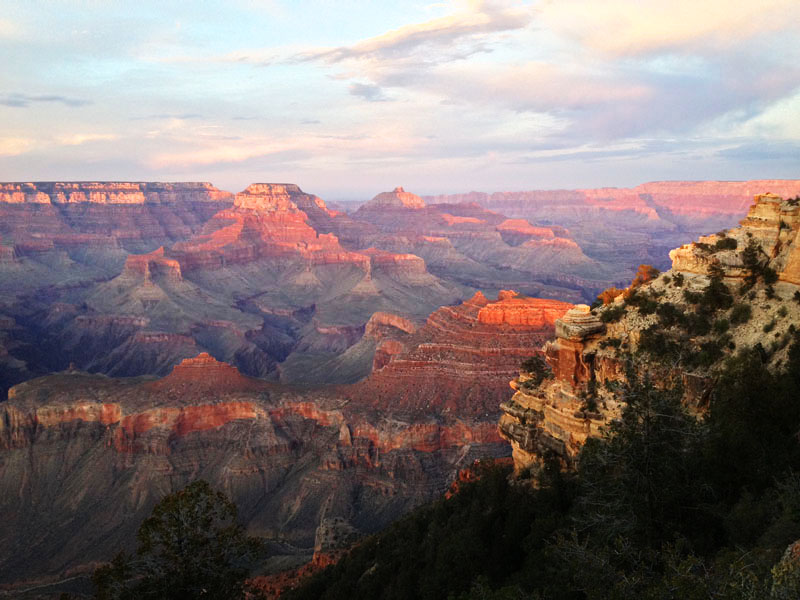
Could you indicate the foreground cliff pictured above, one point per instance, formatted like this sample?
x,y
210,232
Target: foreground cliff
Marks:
x,y
735,289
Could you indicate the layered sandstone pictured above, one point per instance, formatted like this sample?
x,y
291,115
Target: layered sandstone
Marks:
x,y
109,192
458,361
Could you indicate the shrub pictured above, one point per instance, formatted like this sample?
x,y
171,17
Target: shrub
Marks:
x,y
725,243
644,274
782,312
698,324
721,326
656,343
669,314
537,368
741,313
612,314
607,295
677,278
770,326
692,297
610,343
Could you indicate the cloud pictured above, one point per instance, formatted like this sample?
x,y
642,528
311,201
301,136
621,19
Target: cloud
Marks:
x,y
78,139
470,24
369,92
25,100
763,150
181,116
13,146
621,27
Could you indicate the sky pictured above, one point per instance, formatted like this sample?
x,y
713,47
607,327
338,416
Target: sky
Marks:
x,y
348,99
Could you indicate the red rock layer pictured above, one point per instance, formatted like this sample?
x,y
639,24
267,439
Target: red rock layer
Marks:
x,y
698,198
514,310
458,363
38,217
109,192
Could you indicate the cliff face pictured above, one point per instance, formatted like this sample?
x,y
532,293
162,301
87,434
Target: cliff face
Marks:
x,y
459,362
730,290
467,243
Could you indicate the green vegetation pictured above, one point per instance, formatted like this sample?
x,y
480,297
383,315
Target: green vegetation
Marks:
x,y
612,314
191,546
741,313
677,279
725,243
537,368
662,506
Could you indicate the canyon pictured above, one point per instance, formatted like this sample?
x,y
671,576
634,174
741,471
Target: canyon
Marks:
x,y
321,366
84,457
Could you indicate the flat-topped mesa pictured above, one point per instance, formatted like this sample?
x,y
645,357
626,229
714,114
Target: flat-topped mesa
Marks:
x,y
110,192
397,198
268,197
513,310
153,263
772,227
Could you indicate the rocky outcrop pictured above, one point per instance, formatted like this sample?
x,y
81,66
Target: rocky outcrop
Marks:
x,y
144,265
456,362
656,326
397,198
772,223
511,309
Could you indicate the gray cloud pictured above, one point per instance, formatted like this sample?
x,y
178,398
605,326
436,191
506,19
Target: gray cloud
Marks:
x,y
763,150
25,100
369,92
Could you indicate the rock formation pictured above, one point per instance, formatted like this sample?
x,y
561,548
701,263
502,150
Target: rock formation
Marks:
x,y
656,325
397,198
629,226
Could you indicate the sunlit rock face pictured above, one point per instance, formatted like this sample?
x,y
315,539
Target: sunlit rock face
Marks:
x,y
38,218
587,358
